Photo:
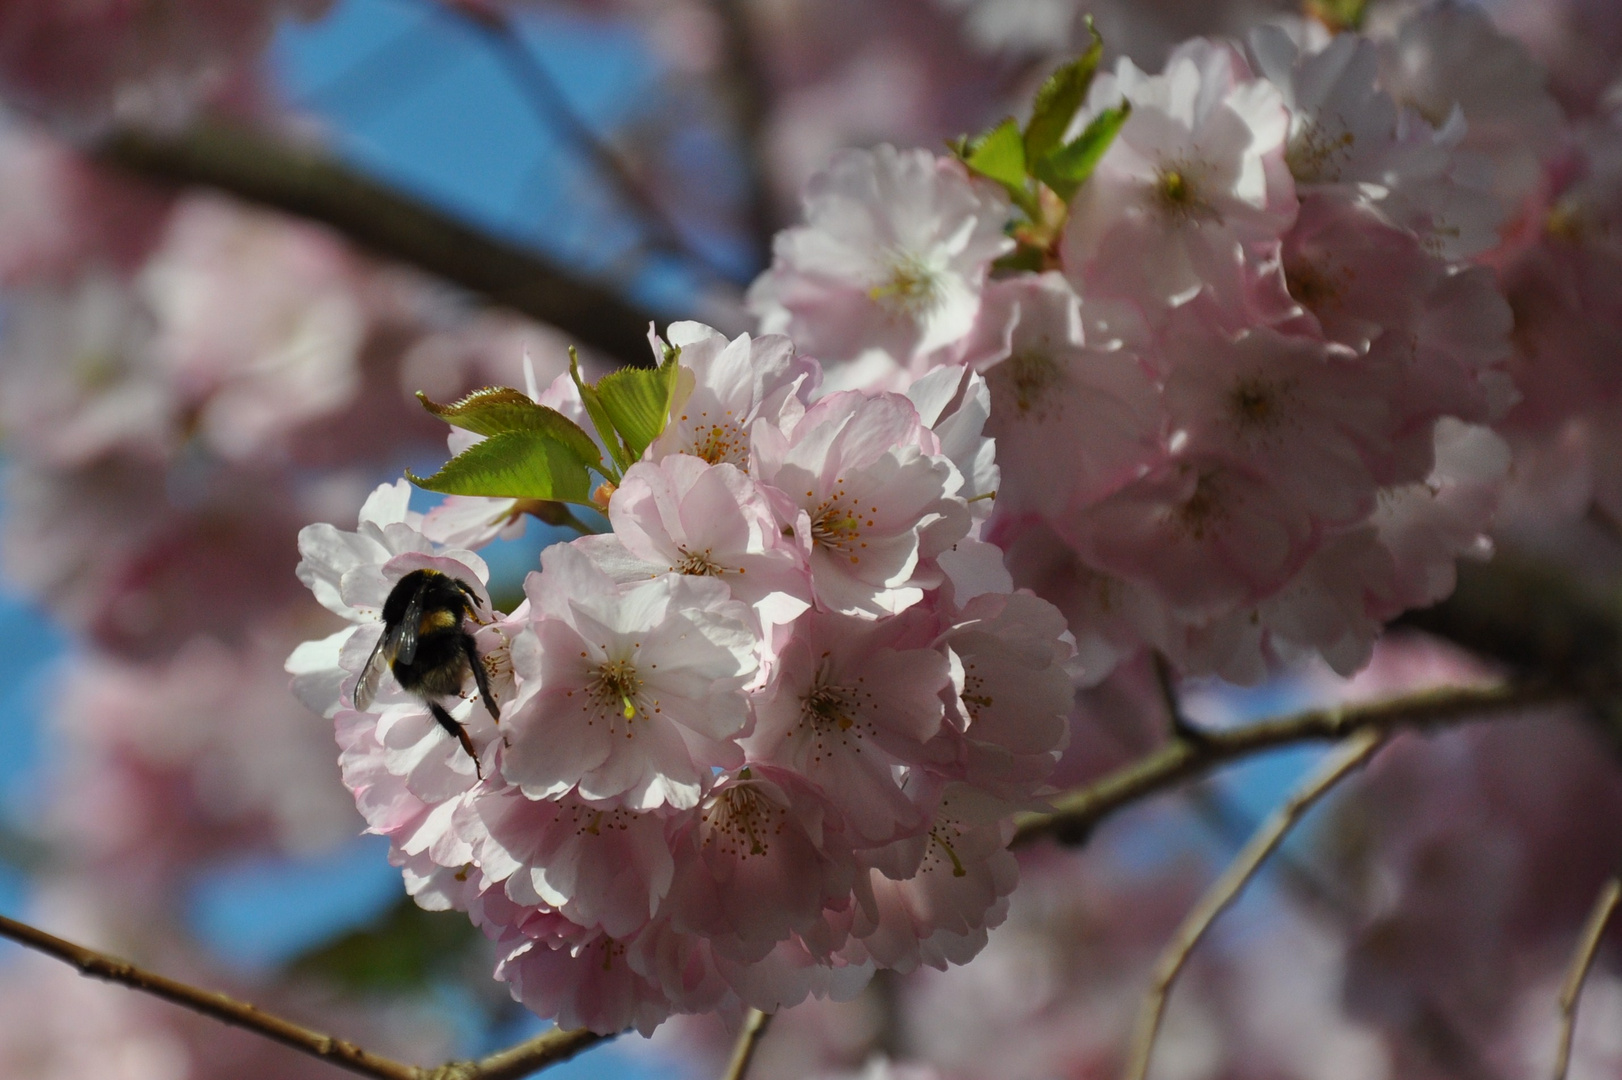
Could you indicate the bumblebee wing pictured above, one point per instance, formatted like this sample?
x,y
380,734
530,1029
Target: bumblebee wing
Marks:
x,y
371,676
410,623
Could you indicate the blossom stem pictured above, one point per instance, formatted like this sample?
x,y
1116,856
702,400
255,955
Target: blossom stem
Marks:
x,y
1226,889
1583,959
1166,678
510,1064
1077,811
754,1029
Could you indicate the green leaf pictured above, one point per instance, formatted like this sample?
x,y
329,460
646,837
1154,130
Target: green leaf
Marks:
x,y
496,410
637,402
599,415
402,953
1059,98
1068,167
1023,259
515,465
999,155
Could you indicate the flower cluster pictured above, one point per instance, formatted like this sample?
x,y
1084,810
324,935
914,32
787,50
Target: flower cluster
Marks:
x,y
764,737
1239,365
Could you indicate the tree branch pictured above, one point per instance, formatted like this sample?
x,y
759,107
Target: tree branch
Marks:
x,y
748,89
1541,619
1076,812
1581,961
305,182
754,1029
1226,889
510,1064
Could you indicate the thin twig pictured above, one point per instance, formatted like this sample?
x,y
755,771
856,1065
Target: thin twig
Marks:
x,y
547,1048
1226,889
509,1064
1430,1024
1077,811
754,1028
1581,961
306,182
551,106
1166,679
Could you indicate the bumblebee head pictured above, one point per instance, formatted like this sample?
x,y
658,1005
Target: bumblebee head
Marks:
x,y
439,598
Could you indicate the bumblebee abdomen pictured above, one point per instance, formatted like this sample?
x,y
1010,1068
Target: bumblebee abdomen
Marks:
x,y
439,668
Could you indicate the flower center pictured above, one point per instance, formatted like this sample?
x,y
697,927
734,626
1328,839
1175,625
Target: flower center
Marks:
x,y
590,821
1257,403
826,705
913,288
1315,155
937,838
1031,376
1204,508
742,822
942,838
837,527
618,687
1177,191
1311,287
833,716
697,563
720,443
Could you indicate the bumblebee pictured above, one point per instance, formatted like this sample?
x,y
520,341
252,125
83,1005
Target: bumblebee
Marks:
x,y
425,643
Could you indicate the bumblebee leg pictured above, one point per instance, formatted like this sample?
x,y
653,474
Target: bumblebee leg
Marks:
x,y
480,676
448,722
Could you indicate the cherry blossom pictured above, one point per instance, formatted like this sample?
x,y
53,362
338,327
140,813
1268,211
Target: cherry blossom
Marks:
x,y
1446,56
601,867
629,692
731,385
890,264
683,516
1196,174
955,889
866,494
849,705
1012,684
352,574
1071,422
1345,131
765,856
